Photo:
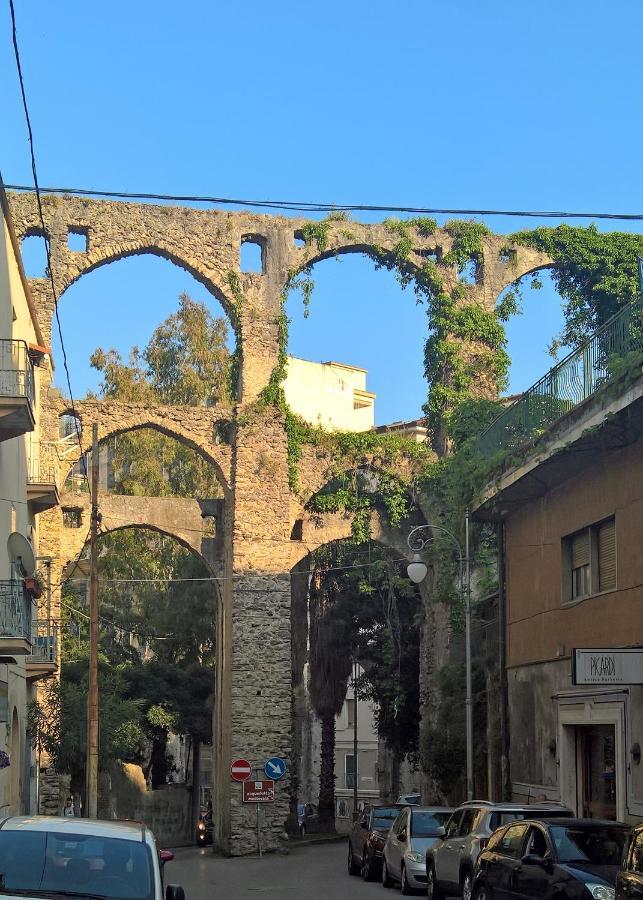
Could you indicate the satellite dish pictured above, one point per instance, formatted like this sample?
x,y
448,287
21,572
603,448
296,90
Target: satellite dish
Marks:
x,y
21,553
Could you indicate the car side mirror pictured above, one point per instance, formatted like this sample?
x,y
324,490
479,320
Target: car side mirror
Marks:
x,y
165,856
174,892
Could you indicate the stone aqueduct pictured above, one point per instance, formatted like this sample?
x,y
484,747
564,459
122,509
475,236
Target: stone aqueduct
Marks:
x,y
252,552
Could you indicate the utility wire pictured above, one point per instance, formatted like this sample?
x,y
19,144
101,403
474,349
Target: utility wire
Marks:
x,y
44,228
309,207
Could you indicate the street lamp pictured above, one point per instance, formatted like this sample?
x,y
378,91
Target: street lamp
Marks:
x,y
417,571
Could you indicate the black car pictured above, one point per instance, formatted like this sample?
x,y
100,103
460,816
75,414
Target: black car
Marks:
x,y
367,838
629,881
556,858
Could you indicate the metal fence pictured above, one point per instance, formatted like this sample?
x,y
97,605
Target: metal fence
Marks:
x,y
16,370
44,641
568,384
15,610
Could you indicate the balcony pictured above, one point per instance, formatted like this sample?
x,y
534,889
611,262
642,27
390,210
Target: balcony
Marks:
x,y
42,490
15,620
573,381
16,389
42,661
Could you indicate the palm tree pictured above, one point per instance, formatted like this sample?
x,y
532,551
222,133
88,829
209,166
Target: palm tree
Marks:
x,y
330,666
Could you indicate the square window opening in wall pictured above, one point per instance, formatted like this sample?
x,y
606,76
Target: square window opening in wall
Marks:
x,y
589,561
252,255
72,517
298,240
297,533
33,250
469,272
78,239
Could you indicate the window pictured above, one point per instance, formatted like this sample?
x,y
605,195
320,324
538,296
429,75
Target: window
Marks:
x,y
589,558
466,823
351,712
350,770
511,841
536,843
342,809
636,864
72,517
452,824
77,239
252,254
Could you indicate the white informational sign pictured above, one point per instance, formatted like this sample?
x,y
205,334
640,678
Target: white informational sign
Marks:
x,y
602,666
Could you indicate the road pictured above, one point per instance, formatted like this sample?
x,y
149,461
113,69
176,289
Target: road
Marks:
x,y
307,872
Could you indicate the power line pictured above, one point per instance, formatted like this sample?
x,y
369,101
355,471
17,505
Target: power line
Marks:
x,y
44,227
310,207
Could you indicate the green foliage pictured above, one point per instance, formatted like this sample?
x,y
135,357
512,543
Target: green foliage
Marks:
x,y
596,273
467,243
316,233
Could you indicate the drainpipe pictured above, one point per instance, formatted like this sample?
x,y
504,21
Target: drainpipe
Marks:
x,y
505,774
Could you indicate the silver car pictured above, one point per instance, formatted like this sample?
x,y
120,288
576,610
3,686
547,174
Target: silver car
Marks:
x,y
416,829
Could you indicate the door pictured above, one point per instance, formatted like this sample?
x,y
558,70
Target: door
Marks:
x,y
397,844
443,853
529,880
507,861
596,771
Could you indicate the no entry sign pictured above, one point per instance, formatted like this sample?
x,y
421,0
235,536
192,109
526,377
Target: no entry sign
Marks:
x,y
240,769
258,791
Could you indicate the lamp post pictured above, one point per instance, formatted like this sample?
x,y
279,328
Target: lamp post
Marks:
x,y
417,570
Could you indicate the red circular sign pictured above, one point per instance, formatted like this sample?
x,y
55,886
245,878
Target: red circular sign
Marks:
x,y
240,770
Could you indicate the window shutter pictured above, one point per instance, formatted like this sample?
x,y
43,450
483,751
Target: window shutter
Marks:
x,y
580,549
607,556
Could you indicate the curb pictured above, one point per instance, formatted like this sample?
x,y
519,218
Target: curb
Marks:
x,y
322,839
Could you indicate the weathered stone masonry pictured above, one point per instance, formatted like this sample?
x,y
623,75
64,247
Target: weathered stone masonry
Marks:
x,y
254,554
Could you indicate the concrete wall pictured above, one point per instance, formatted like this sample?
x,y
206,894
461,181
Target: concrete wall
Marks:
x,y
541,625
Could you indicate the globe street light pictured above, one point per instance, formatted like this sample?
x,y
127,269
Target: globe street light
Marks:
x,y
417,570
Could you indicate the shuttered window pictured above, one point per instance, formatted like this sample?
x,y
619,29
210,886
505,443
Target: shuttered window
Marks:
x,y
580,549
607,556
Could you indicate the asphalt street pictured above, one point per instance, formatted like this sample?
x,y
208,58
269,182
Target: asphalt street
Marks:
x,y
307,872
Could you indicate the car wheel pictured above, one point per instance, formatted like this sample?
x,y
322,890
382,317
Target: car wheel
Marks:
x,y
352,865
367,869
432,887
404,884
387,881
466,885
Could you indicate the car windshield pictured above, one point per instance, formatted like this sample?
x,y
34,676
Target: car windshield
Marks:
x,y
384,818
425,824
75,864
601,845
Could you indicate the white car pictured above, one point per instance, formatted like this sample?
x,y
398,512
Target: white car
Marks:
x,y
43,856
416,829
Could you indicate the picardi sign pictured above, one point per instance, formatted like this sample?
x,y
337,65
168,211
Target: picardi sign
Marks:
x,y
607,666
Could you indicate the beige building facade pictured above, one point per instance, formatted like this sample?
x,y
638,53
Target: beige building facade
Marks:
x,y
27,487
330,395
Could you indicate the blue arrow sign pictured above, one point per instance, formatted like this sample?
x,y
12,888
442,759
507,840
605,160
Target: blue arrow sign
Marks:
x,y
275,768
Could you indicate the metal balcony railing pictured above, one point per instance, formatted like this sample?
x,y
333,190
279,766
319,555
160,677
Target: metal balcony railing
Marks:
x,y
44,641
569,383
40,472
15,610
16,370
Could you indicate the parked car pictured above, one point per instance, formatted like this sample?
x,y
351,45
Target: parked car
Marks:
x,y
367,838
629,881
412,799
404,857
69,857
307,818
450,863
561,858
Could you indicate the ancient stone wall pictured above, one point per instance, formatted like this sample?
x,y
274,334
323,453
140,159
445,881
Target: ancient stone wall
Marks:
x,y
258,547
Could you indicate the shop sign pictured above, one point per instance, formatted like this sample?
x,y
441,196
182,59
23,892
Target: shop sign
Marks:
x,y
607,666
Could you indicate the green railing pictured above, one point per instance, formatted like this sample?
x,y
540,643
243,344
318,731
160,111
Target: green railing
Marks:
x,y
568,384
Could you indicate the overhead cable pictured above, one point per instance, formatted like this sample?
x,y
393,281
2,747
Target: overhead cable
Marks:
x,y
311,207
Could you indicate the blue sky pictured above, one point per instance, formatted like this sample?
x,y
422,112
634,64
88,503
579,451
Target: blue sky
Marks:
x,y
464,104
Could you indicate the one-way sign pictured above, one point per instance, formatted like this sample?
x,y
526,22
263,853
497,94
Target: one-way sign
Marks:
x,y
258,791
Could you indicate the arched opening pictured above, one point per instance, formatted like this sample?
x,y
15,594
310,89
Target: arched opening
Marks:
x,y
356,652
146,332
535,320
157,649
360,317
